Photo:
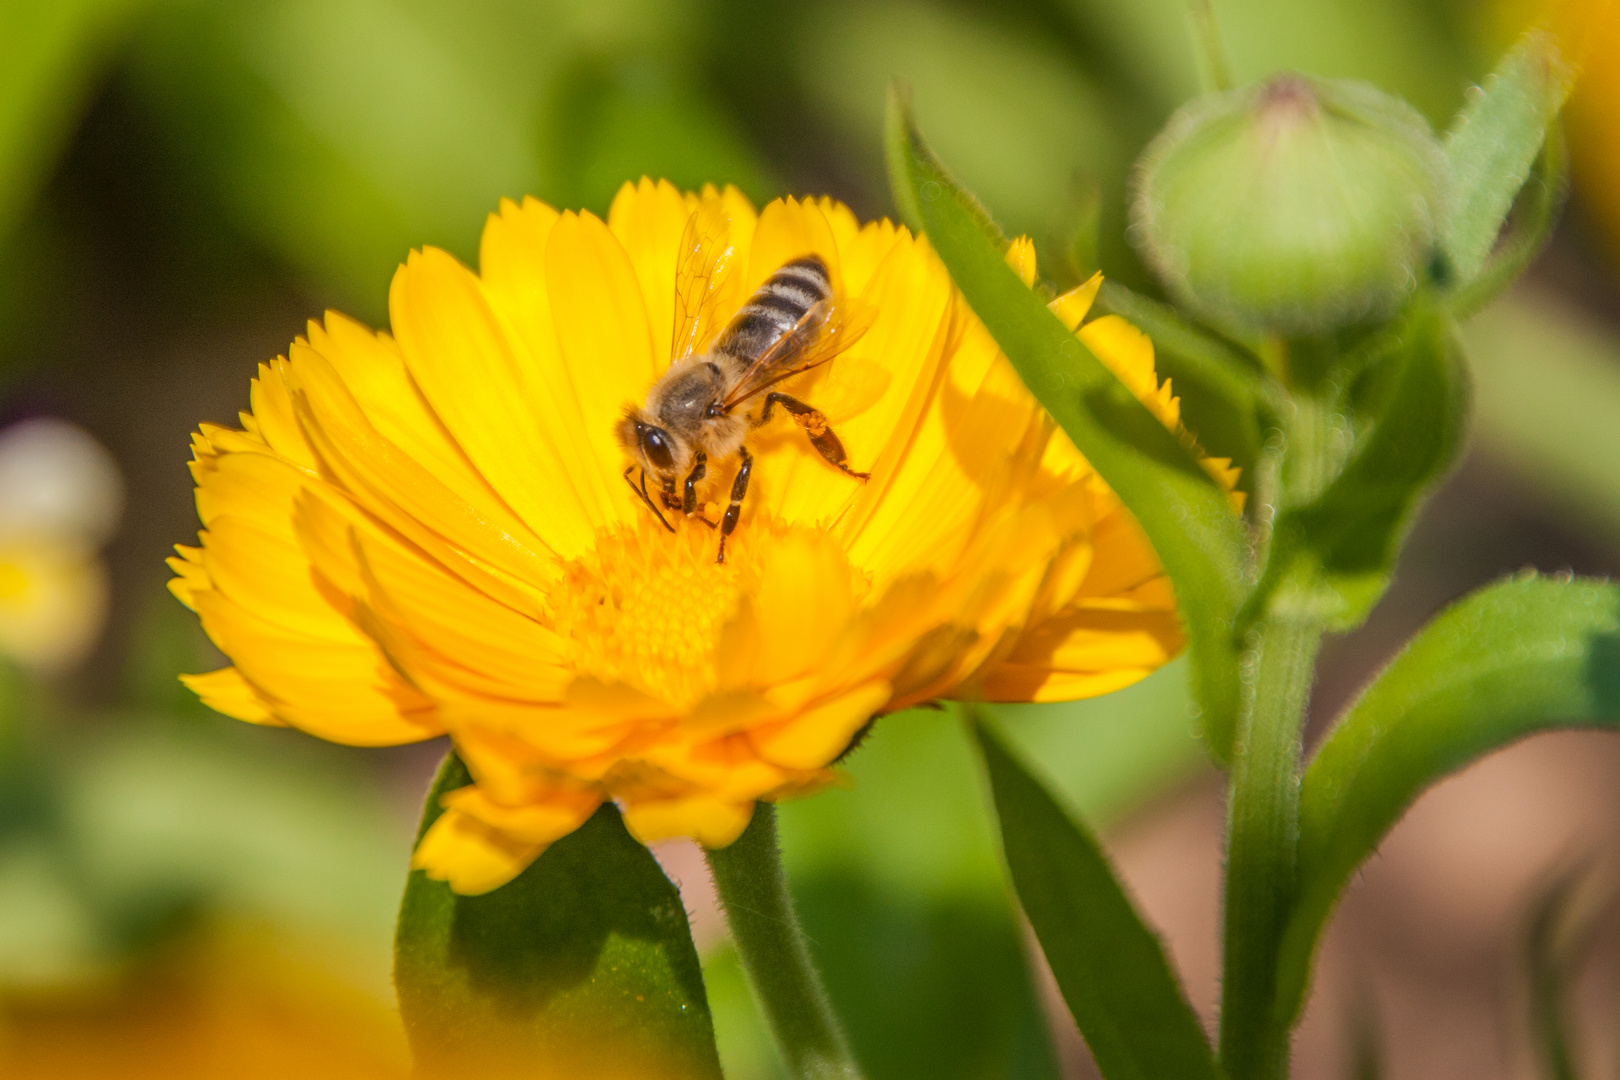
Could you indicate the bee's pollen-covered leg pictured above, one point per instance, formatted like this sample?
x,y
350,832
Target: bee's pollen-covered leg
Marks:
x,y
816,428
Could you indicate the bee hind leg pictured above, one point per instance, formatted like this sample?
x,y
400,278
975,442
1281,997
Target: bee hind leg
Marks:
x,y
739,489
816,429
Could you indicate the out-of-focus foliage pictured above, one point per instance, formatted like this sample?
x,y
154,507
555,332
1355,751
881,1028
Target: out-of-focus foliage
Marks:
x,y
341,134
53,53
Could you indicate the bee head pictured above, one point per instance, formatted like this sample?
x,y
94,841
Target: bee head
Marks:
x,y
654,448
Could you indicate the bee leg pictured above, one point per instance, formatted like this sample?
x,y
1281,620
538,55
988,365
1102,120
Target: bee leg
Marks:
x,y
689,499
814,423
699,470
667,495
739,488
641,492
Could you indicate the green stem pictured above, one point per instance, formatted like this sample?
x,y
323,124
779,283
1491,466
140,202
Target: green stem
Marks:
x,y
1262,839
776,954
1263,813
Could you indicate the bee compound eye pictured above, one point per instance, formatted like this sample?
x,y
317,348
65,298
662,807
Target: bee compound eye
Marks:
x,y
655,444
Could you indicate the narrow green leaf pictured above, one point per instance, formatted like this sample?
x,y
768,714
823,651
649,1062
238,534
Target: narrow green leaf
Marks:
x,y
1109,965
1334,556
1494,141
582,965
1184,513
1534,218
1525,655
1214,66
1557,938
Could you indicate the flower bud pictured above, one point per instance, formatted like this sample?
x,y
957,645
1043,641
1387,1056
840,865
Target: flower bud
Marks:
x,y
1291,206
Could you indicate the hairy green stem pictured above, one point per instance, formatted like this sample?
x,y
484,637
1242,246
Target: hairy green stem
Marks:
x,y
1279,665
1262,841
776,955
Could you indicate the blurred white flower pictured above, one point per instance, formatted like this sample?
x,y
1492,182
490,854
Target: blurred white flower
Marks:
x,y
56,479
60,499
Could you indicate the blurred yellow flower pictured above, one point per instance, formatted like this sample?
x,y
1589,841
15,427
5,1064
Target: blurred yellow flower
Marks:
x,y
1590,32
248,1003
60,499
430,531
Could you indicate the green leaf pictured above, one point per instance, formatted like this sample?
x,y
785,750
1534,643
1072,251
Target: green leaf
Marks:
x,y
1109,965
582,965
1333,557
1493,142
1525,655
1185,514
1557,940
1534,218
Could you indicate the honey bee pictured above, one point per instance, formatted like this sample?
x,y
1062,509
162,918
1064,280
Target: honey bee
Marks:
x,y
696,412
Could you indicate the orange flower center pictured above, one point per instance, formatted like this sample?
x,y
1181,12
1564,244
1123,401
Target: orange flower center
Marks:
x,y
646,606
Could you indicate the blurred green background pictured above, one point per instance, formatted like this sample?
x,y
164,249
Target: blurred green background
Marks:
x,y
183,182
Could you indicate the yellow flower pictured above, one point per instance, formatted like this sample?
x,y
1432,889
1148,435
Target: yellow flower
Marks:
x,y
239,1001
60,499
431,532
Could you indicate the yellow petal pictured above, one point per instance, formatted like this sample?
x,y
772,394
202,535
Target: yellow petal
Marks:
x,y
343,691
549,817
1073,305
712,822
605,342
861,248
471,856
911,295
1021,257
648,219
403,492
789,229
813,739
228,692
806,597
471,370
468,636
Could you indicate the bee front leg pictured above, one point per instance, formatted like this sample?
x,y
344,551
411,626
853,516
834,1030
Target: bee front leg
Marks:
x,y
700,469
667,495
646,498
739,488
816,428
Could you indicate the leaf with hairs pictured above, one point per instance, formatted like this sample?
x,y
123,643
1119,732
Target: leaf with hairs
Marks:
x,y
1525,655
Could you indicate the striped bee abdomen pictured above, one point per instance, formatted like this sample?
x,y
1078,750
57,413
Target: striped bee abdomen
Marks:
x,y
776,308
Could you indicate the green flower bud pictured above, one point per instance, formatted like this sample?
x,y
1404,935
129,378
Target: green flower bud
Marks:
x,y
1291,206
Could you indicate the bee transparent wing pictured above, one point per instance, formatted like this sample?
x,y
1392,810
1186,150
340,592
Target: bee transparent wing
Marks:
x,y
702,266
826,330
